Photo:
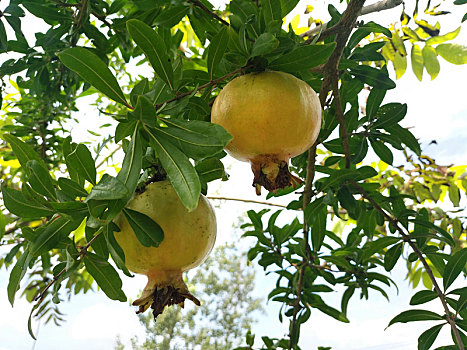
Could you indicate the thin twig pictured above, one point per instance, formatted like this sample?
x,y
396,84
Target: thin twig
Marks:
x,y
247,201
209,12
376,7
83,251
406,237
107,157
210,83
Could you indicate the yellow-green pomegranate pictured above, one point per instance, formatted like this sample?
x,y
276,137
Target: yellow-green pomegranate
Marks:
x,y
272,117
188,240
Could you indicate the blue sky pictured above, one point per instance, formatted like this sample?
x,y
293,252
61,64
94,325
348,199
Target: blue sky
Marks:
x,y
437,111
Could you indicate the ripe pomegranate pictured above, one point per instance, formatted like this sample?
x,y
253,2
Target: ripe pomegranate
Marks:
x,y
272,117
188,240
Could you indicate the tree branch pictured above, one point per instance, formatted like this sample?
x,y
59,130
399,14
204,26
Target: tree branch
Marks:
x,y
247,201
212,82
209,12
379,6
406,237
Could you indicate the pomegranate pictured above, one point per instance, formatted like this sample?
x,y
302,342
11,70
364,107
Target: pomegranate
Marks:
x,y
188,240
272,117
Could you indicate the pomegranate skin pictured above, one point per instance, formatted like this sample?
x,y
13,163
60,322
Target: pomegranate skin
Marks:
x,y
188,236
268,113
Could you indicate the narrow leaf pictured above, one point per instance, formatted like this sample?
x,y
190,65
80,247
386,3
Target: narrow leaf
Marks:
x,y
180,171
54,233
93,70
17,204
427,338
71,188
416,58
148,232
454,267
217,49
392,255
105,275
382,151
116,252
108,188
453,53
153,47
415,315
375,98
17,274
22,150
40,180
132,162
303,58
430,59
373,77
265,43
81,160
423,297
442,38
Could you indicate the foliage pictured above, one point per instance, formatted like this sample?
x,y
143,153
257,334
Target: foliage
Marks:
x,y
225,286
59,208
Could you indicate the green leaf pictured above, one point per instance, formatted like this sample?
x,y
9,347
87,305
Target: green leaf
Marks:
x,y
105,276
454,267
446,237
415,315
454,194
346,297
40,180
171,15
216,50
99,244
400,64
405,136
197,139
17,204
17,274
116,252
318,229
180,171
71,188
416,58
430,59
423,297
389,114
132,162
210,169
373,77
272,10
3,38
392,255
453,53
303,58
81,160
442,38
382,151
50,14
375,98
23,151
141,88
55,232
93,70
265,43
148,232
378,245
144,111
427,338
287,6
153,47
108,188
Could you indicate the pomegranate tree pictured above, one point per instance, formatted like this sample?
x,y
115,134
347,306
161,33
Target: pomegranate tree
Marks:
x,y
188,239
272,117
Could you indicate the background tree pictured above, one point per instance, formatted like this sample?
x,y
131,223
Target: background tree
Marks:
x,y
59,203
226,314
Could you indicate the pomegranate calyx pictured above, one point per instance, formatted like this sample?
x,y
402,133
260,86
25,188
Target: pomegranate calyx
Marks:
x,y
159,295
272,174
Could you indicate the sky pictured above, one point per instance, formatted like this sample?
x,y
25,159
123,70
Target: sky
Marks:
x,y
437,110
